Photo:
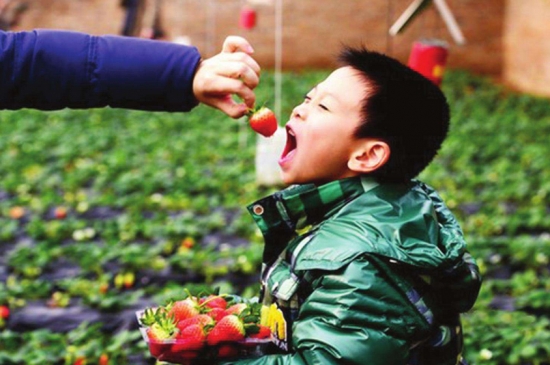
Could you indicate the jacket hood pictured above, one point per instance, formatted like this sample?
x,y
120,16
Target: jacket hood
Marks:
x,y
406,223
411,228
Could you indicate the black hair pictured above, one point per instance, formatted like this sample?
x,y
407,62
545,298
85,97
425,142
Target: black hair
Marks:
x,y
401,107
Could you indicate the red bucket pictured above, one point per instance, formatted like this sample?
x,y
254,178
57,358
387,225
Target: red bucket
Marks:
x,y
248,18
429,57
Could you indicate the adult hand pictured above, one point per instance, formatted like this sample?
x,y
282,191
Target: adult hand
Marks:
x,y
233,71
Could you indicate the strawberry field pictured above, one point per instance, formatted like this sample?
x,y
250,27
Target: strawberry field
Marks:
x,y
105,212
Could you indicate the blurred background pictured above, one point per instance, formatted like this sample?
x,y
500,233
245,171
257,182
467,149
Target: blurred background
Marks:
x,y
505,38
497,31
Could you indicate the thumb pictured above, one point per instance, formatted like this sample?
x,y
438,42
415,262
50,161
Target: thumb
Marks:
x,y
235,43
227,105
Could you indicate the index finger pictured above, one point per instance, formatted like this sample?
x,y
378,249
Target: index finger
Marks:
x,y
231,61
235,43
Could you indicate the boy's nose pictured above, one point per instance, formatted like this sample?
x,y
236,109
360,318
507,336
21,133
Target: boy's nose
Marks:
x,y
298,112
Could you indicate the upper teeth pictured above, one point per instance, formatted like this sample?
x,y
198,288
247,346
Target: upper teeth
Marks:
x,y
291,133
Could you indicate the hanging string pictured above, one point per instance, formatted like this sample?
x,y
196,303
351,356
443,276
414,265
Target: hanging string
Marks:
x,y
278,56
389,20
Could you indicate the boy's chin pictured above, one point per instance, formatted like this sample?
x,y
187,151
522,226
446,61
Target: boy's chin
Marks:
x,y
289,179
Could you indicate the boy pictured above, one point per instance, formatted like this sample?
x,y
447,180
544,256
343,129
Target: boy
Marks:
x,y
366,265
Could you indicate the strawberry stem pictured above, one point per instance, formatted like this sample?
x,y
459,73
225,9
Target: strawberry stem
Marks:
x,y
251,111
212,298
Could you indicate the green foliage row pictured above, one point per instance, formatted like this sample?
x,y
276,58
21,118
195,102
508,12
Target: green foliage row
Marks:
x,y
44,347
493,169
493,172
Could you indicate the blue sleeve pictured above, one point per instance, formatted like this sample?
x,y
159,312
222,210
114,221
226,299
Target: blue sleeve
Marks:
x,y
49,69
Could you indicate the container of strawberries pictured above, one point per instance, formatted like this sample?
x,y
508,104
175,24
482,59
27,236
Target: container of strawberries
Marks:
x,y
198,330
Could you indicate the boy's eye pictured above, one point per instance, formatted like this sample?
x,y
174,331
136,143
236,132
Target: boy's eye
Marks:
x,y
308,98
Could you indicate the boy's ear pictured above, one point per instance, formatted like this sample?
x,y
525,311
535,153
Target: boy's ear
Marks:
x,y
369,155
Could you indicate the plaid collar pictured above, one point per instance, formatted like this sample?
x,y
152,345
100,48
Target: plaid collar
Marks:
x,y
284,214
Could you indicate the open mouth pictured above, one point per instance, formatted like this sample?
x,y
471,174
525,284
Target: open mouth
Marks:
x,y
290,147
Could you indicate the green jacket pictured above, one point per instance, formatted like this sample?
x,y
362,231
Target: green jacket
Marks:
x,y
365,273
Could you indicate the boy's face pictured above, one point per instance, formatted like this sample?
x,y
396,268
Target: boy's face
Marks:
x,y
320,137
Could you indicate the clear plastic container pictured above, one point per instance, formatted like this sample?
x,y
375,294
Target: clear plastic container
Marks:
x,y
170,351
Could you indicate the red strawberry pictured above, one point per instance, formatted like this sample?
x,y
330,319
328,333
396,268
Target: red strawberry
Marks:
x,y
183,309
163,329
236,309
201,319
80,361
263,121
158,349
4,312
188,242
264,332
129,280
60,212
191,338
214,301
103,288
216,313
158,333
183,357
227,350
17,212
103,359
229,328
156,336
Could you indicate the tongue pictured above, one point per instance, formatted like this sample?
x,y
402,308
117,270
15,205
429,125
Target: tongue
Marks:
x,y
286,156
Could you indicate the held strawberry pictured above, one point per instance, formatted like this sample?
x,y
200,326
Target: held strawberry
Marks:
x,y
263,332
159,333
183,309
213,301
229,328
227,350
263,121
163,328
236,309
192,337
201,319
157,336
216,313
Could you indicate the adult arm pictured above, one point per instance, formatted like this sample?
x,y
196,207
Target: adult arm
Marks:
x,y
50,69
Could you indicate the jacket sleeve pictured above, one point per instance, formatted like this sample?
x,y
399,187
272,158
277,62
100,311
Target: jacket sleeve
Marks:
x,y
353,316
49,69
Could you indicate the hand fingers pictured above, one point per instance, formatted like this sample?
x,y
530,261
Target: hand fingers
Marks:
x,y
226,104
230,107
240,71
231,72
228,86
247,96
220,93
235,43
252,64
237,57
